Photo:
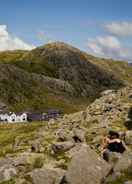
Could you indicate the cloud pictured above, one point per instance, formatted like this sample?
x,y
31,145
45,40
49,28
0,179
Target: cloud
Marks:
x,y
120,29
109,47
9,42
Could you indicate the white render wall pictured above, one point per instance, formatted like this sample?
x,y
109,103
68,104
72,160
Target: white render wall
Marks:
x,y
13,118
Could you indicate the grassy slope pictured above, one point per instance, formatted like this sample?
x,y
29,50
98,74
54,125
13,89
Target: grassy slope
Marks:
x,y
9,133
21,91
120,68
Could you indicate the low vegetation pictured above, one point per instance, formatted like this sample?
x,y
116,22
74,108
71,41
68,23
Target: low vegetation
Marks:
x,y
11,135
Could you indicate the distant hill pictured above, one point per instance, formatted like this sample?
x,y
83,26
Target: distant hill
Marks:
x,y
57,75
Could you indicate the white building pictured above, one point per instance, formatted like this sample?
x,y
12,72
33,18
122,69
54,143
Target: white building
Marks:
x,y
12,117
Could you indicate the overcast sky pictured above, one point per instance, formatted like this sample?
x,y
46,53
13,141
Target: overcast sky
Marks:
x,y
100,27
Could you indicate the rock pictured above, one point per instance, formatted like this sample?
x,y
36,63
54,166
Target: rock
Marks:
x,y
128,137
107,92
128,182
45,176
62,135
124,162
6,161
3,106
84,115
7,172
86,167
20,161
62,146
21,181
114,157
51,122
97,110
36,147
130,95
78,135
113,177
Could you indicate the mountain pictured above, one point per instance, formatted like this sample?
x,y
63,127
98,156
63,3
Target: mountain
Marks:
x,y
57,75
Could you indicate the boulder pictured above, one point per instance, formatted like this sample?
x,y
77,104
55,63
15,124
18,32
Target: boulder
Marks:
x,y
113,157
128,182
36,147
6,161
7,172
128,137
45,176
86,167
62,146
107,92
130,95
63,135
78,135
20,161
124,162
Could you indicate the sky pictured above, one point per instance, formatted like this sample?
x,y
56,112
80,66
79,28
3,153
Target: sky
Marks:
x,y
99,27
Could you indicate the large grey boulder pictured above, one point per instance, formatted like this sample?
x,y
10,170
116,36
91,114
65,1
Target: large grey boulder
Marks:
x,y
86,167
62,146
45,176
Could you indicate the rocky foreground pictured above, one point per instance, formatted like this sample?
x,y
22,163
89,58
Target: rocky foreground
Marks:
x,y
67,151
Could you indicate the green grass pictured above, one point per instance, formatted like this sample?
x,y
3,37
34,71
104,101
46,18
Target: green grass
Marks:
x,y
22,132
8,182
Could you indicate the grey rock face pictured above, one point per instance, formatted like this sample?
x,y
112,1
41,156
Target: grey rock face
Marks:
x,y
86,168
46,176
62,146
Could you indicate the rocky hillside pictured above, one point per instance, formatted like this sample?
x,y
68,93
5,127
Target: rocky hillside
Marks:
x,y
57,75
68,150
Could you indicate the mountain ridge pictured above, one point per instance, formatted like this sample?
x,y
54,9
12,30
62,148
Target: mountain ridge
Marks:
x,y
64,72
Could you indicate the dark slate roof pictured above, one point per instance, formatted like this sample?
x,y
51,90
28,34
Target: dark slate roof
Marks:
x,y
35,116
